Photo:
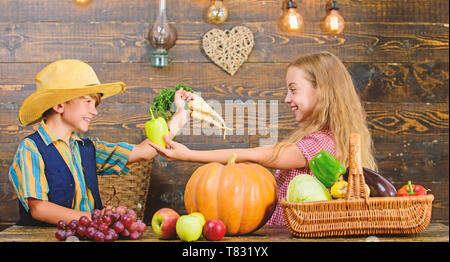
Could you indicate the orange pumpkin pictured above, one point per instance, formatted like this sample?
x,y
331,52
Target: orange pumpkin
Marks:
x,y
242,195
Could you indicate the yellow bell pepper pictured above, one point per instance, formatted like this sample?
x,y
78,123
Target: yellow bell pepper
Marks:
x,y
339,189
156,129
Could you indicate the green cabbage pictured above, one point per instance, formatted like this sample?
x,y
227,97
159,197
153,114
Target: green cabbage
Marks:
x,y
304,188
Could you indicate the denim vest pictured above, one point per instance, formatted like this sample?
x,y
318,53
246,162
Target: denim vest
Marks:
x,y
60,179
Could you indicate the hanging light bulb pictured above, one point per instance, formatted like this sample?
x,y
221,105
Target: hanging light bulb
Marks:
x,y
81,2
217,12
162,37
333,22
291,19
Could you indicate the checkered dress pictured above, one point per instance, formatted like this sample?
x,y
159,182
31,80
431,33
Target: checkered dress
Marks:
x,y
310,145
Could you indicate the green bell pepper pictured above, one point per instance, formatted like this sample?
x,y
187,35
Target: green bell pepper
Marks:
x,y
156,129
326,168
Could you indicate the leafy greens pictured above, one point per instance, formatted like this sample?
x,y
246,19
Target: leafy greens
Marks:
x,y
163,101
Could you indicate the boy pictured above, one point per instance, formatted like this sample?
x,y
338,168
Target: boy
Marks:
x,y
54,171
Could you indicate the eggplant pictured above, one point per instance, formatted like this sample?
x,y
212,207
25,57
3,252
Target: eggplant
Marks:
x,y
378,185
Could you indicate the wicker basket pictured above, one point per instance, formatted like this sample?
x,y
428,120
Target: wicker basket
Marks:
x,y
130,190
358,214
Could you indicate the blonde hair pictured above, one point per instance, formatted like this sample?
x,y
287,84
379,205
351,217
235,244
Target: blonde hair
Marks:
x,y
338,107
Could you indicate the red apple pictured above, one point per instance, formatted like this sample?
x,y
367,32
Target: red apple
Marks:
x,y
164,223
214,229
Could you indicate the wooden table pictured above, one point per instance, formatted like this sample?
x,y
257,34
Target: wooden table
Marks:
x,y
435,232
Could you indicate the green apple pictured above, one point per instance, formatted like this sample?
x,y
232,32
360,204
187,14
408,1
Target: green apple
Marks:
x,y
199,215
164,223
189,228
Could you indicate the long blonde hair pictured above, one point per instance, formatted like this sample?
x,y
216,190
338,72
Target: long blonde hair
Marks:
x,y
338,107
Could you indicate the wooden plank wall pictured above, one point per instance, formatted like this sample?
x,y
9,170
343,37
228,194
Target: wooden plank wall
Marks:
x,y
396,51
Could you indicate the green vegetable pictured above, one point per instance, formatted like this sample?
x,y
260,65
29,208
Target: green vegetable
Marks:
x,y
156,129
163,101
326,168
305,188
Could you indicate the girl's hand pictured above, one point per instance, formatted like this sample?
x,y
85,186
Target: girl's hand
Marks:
x,y
181,116
180,97
173,151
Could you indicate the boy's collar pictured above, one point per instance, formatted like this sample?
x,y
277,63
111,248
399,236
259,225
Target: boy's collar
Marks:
x,y
49,136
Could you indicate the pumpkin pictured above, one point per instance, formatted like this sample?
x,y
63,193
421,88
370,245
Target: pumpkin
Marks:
x,y
242,195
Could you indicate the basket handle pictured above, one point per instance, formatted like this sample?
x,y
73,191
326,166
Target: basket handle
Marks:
x,y
356,182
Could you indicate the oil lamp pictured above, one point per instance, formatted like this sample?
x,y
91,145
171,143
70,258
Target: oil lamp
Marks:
x,y
333,22
291,19
162,37
217,12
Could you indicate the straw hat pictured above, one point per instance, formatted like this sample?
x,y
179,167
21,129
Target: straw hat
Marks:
x,y
60,82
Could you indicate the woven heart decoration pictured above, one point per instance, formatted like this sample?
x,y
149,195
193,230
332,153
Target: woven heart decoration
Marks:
x,y
228,49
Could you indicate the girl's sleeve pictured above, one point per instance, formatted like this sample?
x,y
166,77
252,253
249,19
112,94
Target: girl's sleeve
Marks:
x,y
112,158
27,175
313,143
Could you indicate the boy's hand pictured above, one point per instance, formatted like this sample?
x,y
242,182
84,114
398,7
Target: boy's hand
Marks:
x,y
142,151
181,116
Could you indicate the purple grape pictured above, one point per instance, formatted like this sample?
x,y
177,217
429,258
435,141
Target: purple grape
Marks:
x,y
61,224
125,233
135,235
115,217
93,224
121,210
70,232
108,212
109,237
112,233
95,216
97,212
90,232
60,234
103,228
131,213
141,226
107,219
98,221
84,221
99,237
73,224
81,231
118,226
115,235
127,220
133,227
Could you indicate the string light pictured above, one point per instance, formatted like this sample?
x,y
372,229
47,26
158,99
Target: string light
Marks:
x,y
217,13
333,22
291,19
82,2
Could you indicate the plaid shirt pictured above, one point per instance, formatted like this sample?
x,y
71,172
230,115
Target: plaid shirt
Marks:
x,y
310,145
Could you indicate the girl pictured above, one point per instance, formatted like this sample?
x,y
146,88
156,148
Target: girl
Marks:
x,y
322,97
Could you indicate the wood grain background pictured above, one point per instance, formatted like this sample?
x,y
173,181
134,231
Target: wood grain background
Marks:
x,y
396,51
